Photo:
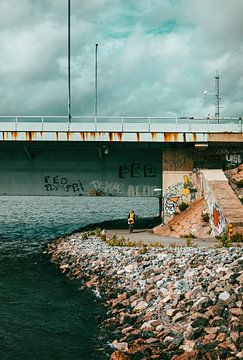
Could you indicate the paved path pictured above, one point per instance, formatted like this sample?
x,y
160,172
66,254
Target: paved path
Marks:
x,y
147,237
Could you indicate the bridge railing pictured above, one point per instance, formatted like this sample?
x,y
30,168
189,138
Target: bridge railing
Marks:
x,y
120,124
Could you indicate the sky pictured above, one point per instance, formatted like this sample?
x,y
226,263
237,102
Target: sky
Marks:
x,y
155,57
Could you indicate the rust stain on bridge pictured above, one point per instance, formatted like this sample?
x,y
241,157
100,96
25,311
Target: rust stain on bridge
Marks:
x,y
167,137
154,135
119,136
14,135
30,135
105,136
93,135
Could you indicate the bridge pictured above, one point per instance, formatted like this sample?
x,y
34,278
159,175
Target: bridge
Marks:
x,y
111,155
118,128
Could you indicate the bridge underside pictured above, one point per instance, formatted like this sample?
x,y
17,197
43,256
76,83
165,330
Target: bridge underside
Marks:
x,y
76,169
101,168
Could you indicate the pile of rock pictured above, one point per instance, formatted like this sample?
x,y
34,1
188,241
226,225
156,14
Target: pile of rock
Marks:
x,y
163,303
235,177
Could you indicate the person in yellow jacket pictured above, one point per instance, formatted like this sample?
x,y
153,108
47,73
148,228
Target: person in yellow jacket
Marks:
x,y
131,220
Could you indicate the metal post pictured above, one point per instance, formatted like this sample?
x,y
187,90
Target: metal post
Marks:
x,y
68,60
217,97
161,215
95,98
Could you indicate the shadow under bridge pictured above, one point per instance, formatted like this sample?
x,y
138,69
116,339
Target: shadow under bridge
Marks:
x,y
79,169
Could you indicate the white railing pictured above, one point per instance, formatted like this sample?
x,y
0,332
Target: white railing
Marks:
x,y
120,124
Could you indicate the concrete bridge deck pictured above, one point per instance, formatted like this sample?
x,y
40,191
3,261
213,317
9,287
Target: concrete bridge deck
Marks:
x,y
120,129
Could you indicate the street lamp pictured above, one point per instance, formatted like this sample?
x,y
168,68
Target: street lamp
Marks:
x,y
95,97
216,94
159,194
68,60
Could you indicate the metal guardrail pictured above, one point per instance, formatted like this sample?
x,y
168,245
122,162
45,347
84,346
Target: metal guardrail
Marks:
x,y
120,124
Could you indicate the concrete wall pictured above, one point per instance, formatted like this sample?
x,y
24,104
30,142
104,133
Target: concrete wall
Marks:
x,y
180,182
75,170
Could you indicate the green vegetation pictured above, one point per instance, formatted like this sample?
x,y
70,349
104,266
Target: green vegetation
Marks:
x,y
183,206
87,234
189,242
224,238
237,237
205,217
116,241
239,183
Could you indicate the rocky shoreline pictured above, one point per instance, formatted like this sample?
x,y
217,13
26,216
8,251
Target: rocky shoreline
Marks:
x,y
162,303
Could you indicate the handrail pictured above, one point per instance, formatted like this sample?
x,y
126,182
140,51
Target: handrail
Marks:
x,y
148,118
124,123
122,116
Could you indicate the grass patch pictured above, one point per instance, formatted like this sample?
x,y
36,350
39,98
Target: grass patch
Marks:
x,y
237,237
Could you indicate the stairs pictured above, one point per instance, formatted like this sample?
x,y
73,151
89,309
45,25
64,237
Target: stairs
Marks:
x,y
224,206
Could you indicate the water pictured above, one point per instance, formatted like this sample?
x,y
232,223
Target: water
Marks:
x,y
42,314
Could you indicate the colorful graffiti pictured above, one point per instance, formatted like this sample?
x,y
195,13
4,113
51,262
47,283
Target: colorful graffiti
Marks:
x,y
218,220
181,191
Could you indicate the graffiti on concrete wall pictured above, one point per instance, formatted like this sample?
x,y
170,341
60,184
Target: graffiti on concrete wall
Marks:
x,y
181,191
58,183
233,160
217,219
140,190
136,170
171,205
105,188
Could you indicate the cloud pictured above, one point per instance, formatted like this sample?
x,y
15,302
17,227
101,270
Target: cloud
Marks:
x,y
155,58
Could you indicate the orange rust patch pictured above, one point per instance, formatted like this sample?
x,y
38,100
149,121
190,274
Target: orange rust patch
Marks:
x,y
154,135
194,137
57,135
168,137
175,137
68,135
14,135
110,136
138,136
93,135
28,135
82,136
119,135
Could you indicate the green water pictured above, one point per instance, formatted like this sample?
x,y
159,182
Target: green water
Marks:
x,y
43,315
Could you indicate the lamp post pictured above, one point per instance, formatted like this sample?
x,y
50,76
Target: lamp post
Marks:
x,y
95,96
217,96
68,60
158,192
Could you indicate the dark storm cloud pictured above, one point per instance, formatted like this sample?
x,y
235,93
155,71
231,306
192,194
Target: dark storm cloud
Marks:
x,y
154,57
